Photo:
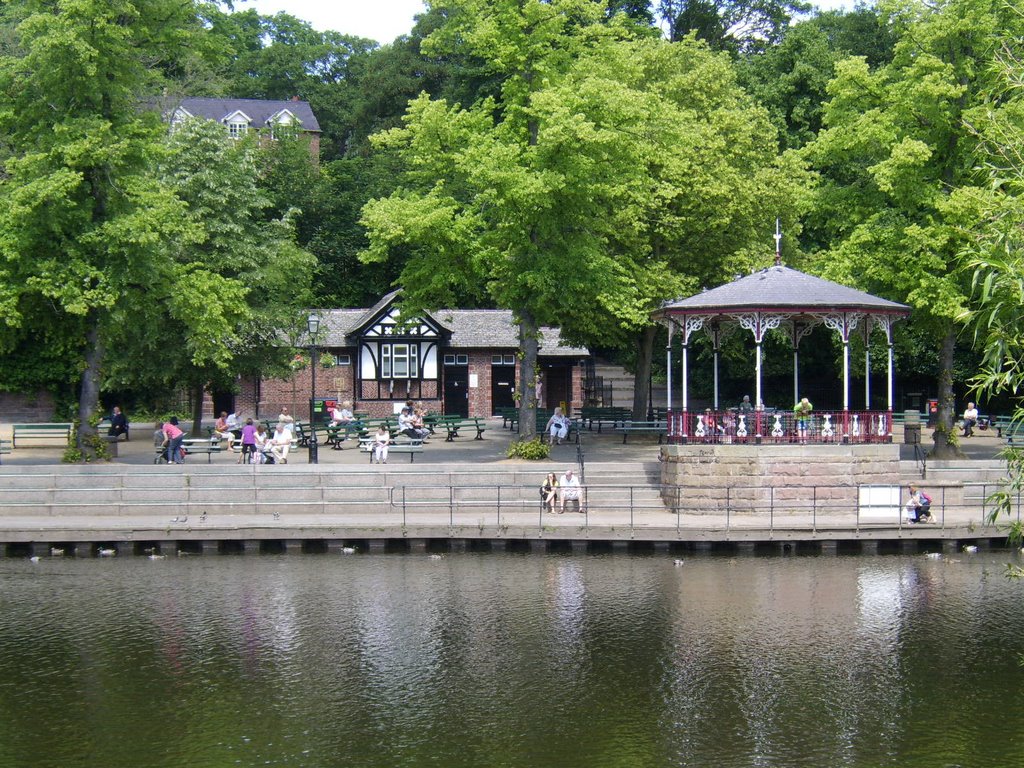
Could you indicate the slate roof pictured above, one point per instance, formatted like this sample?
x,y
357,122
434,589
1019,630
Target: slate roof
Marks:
x,y
470,329
260,111
782,289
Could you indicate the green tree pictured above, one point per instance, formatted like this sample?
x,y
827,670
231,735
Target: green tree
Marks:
x,y
995,256
901,183
81,220
231,289
736,26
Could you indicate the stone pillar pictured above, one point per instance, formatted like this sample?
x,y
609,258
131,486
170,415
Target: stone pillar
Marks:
x,y
251,546
293,546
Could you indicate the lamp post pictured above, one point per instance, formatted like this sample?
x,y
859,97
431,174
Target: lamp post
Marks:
x,y
313,326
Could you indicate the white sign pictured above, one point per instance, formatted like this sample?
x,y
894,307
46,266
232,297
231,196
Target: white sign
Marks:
x,y
474,380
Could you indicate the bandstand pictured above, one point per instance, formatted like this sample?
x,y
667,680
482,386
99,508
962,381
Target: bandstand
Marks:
x,y
793,303
763,461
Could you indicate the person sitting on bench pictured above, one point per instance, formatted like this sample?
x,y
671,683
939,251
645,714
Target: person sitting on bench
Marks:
x,y
118,424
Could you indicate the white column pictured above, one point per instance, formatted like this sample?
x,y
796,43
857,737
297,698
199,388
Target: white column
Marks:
x,y
890,373
867,363
796,374
846,374
686,394
715,353
668,366
757,371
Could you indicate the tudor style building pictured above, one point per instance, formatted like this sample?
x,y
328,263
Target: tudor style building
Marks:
x,y
455,361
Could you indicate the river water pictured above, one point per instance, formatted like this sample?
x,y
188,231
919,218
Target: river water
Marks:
x,y
512,660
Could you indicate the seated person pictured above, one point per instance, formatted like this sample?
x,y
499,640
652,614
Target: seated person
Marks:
x,y
970,420
745,405
569,490
407,424
221,431
261,441
418,423
342,414
918,506
381,440
118,424
286,419
549,491
281,443
557,427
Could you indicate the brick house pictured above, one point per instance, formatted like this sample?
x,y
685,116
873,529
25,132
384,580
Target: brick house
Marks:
x,y
455,361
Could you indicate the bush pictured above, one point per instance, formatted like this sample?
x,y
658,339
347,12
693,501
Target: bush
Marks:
x,y
532,450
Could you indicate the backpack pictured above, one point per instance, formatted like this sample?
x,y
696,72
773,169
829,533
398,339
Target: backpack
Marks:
x,y
926,500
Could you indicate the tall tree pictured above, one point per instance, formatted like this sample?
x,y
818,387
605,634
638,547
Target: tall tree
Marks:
x,y
898,148
736,26
81,220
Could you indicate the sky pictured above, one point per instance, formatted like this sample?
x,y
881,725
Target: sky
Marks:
x,y
380,20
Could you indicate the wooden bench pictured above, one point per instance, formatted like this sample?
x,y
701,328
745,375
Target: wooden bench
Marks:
x,y
400,444
452,426
5,447
191,446
643,428
40,431
338,434
605,415
508,415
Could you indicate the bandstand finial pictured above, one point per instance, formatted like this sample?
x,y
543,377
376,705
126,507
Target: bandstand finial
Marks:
x,y
778,244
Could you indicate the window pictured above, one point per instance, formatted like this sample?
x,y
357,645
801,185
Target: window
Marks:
x,y
399,361
503,359
237,129
344,359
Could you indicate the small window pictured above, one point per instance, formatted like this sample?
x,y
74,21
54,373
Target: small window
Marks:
x,y
449,359
462,359
495,359
237,129
510,359
344,359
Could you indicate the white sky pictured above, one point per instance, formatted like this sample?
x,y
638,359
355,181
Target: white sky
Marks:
x,y
380,20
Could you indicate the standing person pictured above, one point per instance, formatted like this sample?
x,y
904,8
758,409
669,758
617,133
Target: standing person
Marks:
x,y
549,491
222,431
248,444
970,420
557,427
380,444
118,424
802,413
281,443
569,489
173,437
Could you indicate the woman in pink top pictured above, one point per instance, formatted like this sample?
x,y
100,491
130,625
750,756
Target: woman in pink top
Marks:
x,y
174,437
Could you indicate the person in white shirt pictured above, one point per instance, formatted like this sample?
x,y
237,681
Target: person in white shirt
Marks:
x,y
557,427
281,443
381,440
569,489
970,420
342,413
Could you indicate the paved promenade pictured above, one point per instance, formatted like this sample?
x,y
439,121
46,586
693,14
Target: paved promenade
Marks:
x,y
346,499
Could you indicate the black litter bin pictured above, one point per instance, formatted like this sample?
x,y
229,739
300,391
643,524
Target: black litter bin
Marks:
x,y
912,434
933,412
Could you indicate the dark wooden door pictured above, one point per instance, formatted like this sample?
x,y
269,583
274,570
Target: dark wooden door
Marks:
x,y
456,390
503,387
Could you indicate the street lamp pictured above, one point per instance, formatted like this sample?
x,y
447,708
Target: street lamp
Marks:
x,y
313,326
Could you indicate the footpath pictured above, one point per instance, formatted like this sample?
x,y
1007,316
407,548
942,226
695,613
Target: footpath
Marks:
x,y
464,493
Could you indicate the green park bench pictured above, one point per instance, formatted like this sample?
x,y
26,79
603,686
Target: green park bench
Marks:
x,y
60,431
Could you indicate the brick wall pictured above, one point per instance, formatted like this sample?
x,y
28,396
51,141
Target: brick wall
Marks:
x,y
26,408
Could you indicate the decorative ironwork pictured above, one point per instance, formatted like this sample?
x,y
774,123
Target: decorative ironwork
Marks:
x,y
759,323
827,430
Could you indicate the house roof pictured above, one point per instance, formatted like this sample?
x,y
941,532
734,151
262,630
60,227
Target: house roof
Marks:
x,y
260,111
783,290
470,329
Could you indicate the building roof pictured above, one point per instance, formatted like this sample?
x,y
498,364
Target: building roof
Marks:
x,y
261,112
784,290
470,329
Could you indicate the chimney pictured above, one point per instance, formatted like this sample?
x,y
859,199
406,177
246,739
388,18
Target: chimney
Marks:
x,y
295,98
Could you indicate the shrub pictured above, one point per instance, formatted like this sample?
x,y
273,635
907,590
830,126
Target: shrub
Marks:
x,y
532,450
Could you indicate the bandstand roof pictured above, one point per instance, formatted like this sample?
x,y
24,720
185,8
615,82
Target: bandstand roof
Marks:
x,y
779,289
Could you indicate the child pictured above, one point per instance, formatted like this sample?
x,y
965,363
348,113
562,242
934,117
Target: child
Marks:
x,y
918,506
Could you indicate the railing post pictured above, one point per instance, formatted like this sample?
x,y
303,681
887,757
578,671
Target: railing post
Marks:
x,y
631,507
814,508
728,507
451,503
499,506
771,502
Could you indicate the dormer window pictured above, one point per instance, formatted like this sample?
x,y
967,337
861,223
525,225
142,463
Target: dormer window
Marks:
x,y
238,124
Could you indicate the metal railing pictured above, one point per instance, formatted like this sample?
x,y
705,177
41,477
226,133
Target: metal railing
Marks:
x,y
779,427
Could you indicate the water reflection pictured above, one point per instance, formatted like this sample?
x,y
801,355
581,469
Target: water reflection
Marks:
x,y
510,660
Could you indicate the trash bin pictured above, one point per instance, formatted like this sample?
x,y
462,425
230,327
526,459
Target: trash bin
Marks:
x,y
933,412
912,434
